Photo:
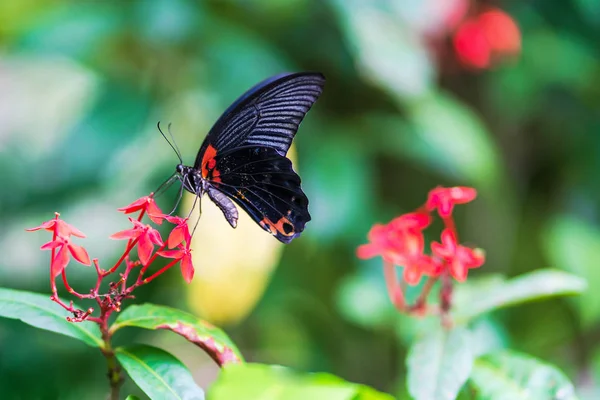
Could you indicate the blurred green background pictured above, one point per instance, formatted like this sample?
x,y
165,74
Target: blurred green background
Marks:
x,y
419,93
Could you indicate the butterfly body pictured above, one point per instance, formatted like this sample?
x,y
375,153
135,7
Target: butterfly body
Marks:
x,y
243,158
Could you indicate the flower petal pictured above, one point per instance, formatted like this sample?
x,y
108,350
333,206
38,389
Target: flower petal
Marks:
x,y
187,268
171,253
154,236
415,220
154,212
126,234
176,237
412,274
145,249
52,244
462,194
66,230
458,270
449,240
61,259
174,219
365,251
79,253
135,206
48,225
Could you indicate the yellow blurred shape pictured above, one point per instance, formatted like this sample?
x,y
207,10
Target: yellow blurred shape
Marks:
x,y
232,266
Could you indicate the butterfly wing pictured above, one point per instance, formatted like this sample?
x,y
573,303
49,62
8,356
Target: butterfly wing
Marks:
x,y
266,115
243,155
263,183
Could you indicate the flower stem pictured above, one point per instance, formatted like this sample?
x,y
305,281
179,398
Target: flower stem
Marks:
x,y
145,267
393,287
129,247
114,370
52,254
446,300
421,302
160,271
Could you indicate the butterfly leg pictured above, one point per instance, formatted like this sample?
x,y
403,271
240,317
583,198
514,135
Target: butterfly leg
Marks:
x,y
178,200
165,185
199,212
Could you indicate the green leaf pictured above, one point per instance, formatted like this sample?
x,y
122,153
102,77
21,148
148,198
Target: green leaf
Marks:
x,y
574,245
508,375
338,168
208,337
38,310
456,141
266,382
493,293
159,374
132,397
362,297
439,364
380,42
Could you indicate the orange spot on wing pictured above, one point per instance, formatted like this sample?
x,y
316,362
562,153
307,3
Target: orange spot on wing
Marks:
x,y
209,163
277,227
207,160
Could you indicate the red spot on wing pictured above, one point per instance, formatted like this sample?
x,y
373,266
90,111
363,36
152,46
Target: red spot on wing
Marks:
x,y
208,165
207,160
278,227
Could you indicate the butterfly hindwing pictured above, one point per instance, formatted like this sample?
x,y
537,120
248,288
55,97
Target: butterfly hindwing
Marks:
x,y
263,183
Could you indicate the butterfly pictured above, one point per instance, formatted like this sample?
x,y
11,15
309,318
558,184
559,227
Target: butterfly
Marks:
x,y
243,162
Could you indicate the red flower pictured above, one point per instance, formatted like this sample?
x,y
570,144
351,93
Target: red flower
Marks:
x,y
61,259
481,41
146,204
180,233
459,259
444,199
471,45
147,238
401,243
183,255
501,32
412,221
60,227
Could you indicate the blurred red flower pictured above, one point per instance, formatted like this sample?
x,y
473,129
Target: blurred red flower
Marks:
x,y
401,243
487,37
459,259
444,199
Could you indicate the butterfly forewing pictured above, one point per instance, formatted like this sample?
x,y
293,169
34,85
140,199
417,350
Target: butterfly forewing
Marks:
x,y
267,115
244,154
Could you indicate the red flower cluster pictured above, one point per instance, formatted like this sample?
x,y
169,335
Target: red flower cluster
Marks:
x,y
61,240
143,236
401,241
490,36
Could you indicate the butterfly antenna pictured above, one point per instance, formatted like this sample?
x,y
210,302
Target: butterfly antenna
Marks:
x,y
176,150
174,142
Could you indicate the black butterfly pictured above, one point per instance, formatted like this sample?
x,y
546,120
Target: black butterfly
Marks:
x,y
243,158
